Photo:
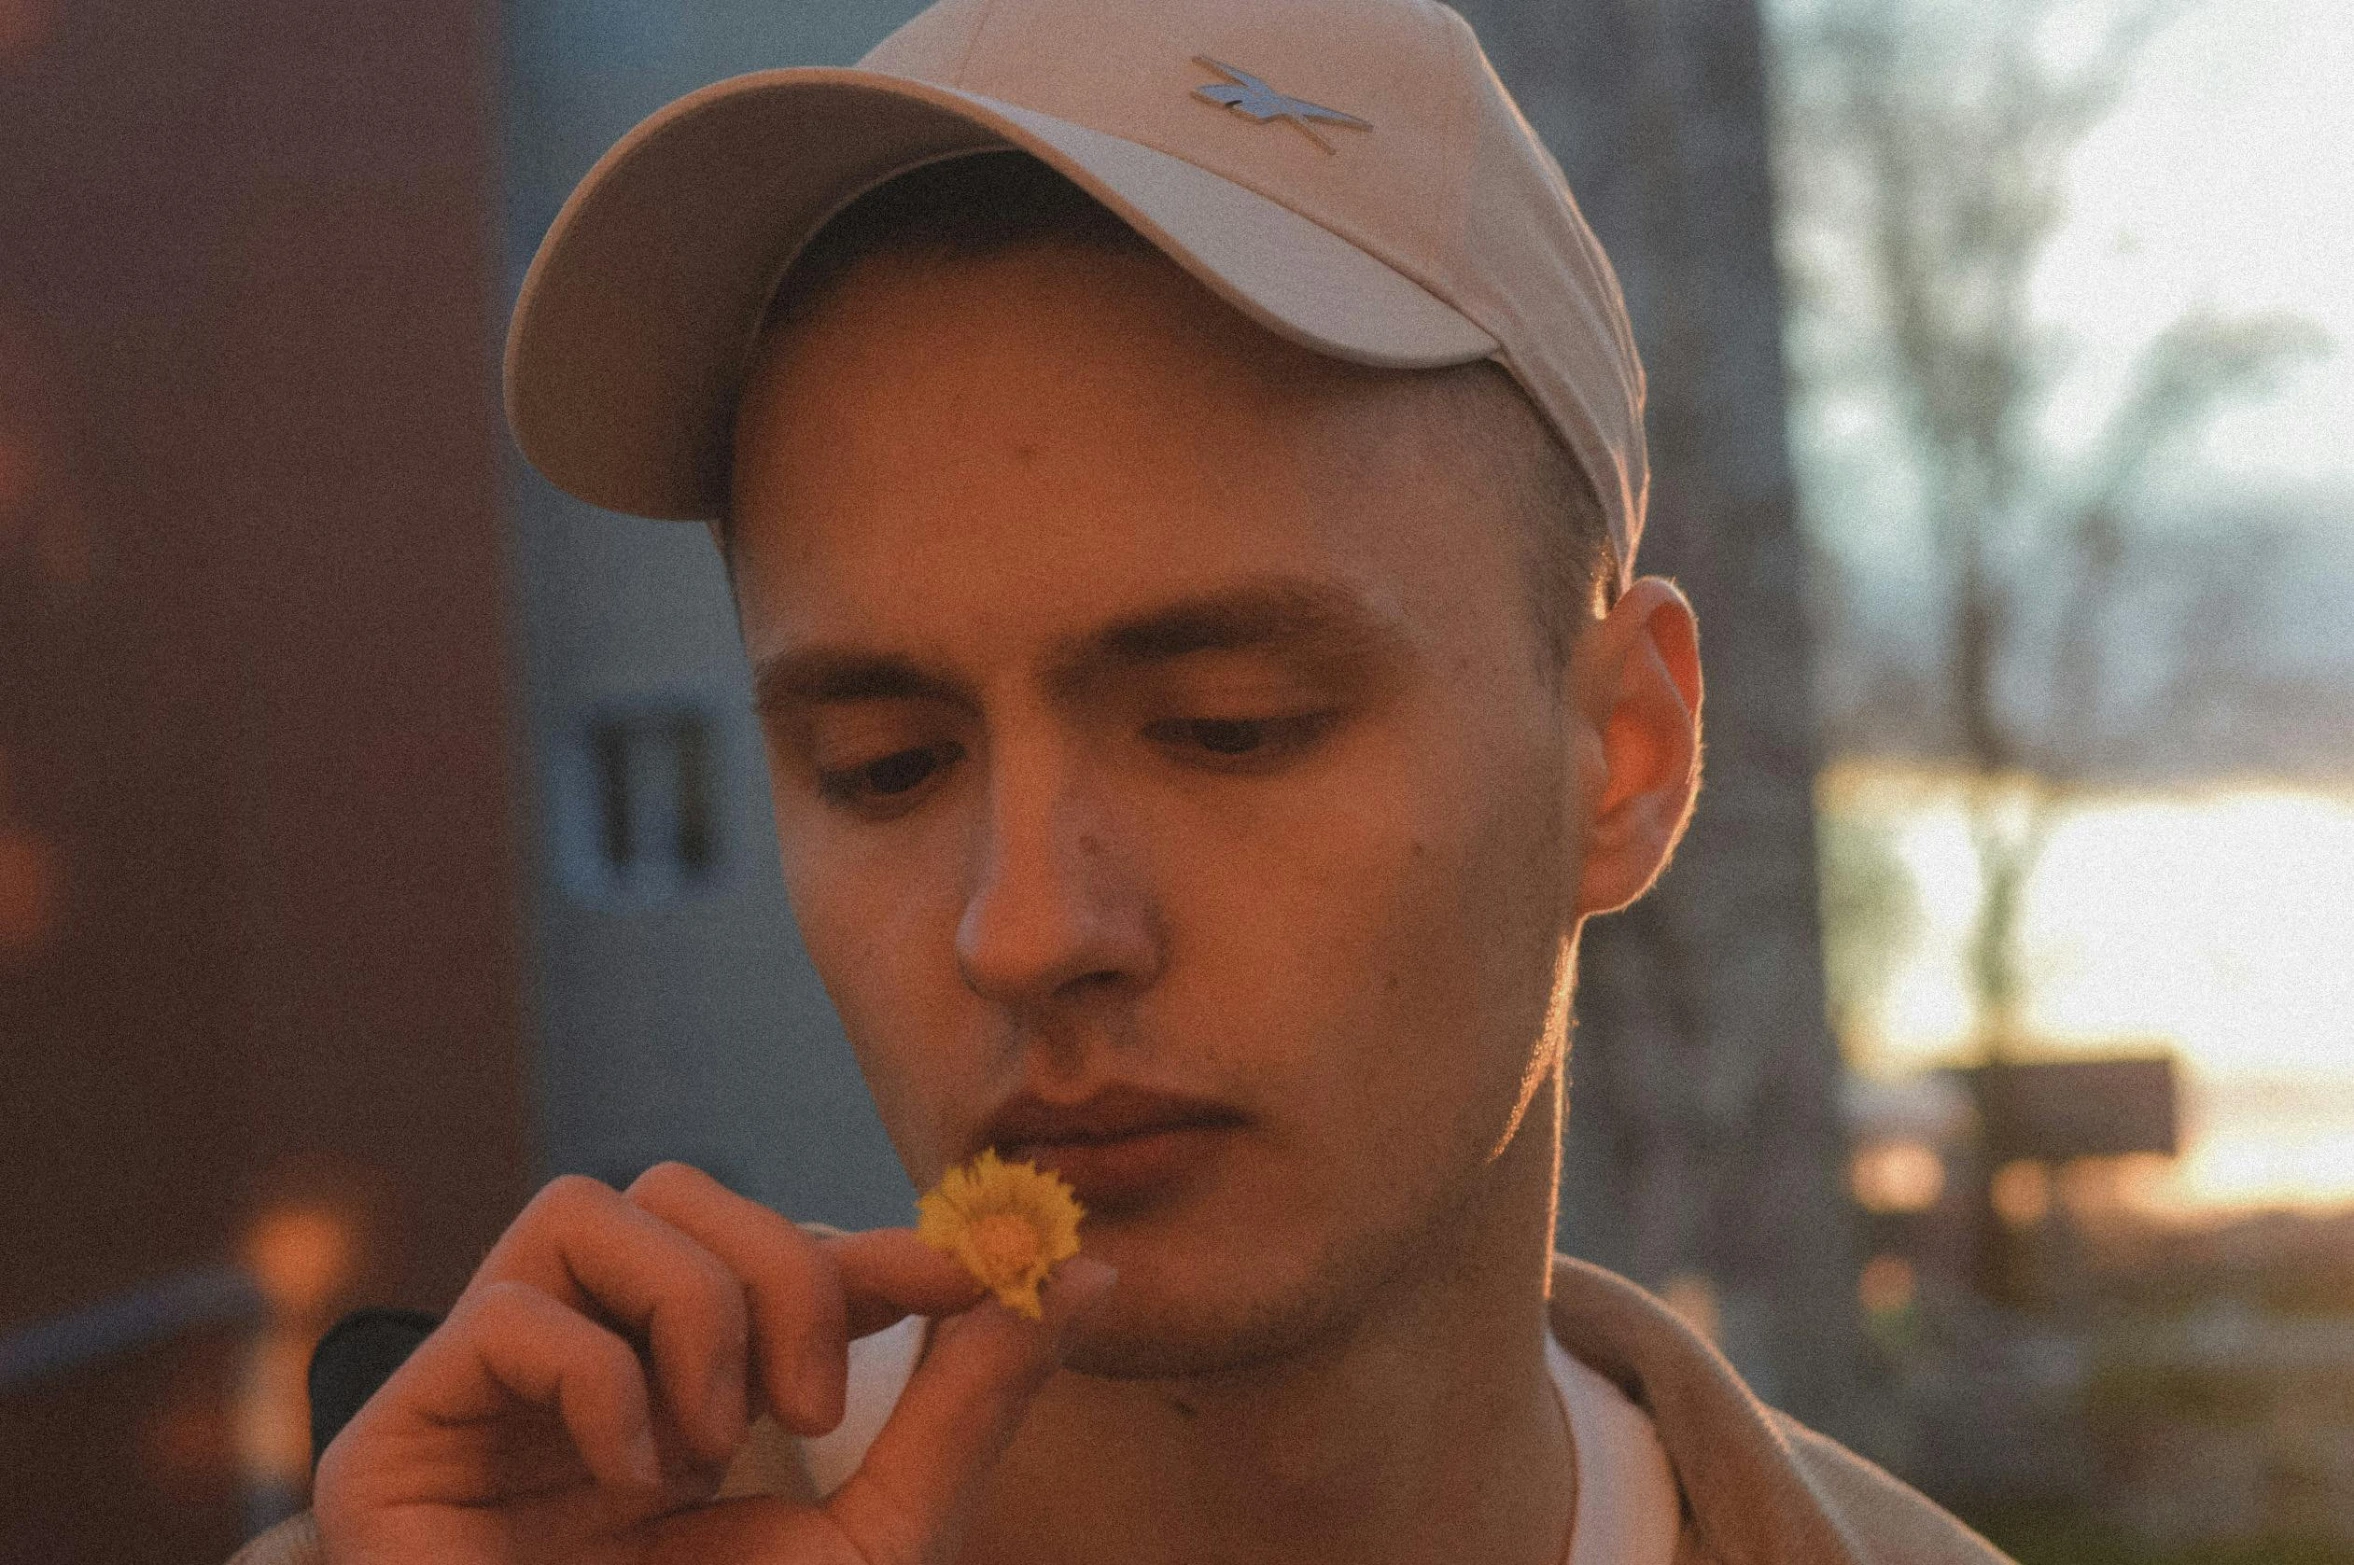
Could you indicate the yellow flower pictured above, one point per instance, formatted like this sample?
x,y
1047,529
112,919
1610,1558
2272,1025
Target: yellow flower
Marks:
x,y
1010,1223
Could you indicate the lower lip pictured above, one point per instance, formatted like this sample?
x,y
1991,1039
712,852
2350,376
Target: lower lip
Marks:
x,y
1113,1173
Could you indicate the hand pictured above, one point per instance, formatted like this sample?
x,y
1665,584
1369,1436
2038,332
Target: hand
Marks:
x,y
583,1399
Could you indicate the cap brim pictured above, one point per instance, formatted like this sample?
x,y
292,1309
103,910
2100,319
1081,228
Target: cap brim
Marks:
x,y
631,336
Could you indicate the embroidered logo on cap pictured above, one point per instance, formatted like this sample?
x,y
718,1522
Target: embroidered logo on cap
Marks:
x,y
1247,94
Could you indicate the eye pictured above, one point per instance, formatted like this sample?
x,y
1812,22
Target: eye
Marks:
x,y
888,779
1227,735
1241,738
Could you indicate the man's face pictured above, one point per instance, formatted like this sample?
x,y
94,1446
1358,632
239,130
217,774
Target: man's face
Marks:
x,y
1152,703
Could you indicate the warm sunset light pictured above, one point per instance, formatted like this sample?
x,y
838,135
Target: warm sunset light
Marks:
x,y
2221,923
1060,601
1896,1176
2212,919
1885,1284
2022,1193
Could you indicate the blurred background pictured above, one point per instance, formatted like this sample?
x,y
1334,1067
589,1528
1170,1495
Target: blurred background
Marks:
x,y
382,833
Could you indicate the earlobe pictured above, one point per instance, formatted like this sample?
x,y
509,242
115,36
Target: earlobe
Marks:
x,y
1640,690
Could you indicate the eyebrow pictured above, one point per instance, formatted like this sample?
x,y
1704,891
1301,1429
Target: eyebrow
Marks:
x,y
1322,625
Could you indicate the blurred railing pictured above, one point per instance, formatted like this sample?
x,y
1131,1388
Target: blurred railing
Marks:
x,y
213,1296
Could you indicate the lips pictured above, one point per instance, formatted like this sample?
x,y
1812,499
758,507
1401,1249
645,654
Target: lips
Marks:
x,y
1132,1175
1110,1114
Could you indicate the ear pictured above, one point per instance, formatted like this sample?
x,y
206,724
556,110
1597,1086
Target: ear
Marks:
x,y
1636,677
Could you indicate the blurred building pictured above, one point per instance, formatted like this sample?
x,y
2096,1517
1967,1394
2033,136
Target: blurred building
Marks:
x,y
261,965
677,1014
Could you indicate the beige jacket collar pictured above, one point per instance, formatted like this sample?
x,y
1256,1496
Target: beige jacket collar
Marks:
x,y
1759,1488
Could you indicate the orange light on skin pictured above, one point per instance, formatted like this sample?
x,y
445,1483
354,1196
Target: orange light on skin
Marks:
x,y
1886,1284
1896,1176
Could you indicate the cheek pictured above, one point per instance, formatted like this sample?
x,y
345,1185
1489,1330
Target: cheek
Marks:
x,y
883,964
1463,959
1393,941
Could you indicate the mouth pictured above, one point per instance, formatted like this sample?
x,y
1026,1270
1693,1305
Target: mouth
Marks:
x,y
1120,1175
1119,1149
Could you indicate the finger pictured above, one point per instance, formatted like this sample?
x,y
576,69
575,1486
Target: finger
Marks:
x,y
799,1318
583,1244
889,1274
912,1496
810,1288
508,1343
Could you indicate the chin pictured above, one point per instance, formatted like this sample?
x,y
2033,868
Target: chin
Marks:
x,y
1179,1343
1171,1317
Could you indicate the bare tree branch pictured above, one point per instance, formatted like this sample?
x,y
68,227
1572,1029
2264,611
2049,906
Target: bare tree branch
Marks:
x,y
1925,152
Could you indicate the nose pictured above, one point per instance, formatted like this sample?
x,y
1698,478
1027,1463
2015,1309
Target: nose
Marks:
x,y
1055,913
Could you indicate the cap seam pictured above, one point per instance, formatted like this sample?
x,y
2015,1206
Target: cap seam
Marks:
x,y
972,41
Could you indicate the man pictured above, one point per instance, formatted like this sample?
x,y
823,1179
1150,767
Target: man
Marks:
x,y
1180,467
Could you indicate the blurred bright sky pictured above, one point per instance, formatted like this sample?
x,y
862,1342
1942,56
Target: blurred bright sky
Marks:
x,y
2225,181
2220,921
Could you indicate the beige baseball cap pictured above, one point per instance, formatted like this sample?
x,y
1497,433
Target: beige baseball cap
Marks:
x,y
1348,173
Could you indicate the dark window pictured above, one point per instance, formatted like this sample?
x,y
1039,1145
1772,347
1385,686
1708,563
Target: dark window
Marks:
x,y
648,794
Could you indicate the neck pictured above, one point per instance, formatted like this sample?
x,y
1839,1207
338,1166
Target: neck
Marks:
x,y
1430,1430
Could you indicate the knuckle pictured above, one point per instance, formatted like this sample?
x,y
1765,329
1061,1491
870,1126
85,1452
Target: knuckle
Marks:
x,y
795,1267
562,1206
570,1194
712,1290
670,1180
497,1304
504,1318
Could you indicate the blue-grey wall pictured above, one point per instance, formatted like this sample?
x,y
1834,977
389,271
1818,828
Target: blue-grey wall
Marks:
x,y
682,1021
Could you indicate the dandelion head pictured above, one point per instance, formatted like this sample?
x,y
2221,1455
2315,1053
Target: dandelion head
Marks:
x,y
1010,1224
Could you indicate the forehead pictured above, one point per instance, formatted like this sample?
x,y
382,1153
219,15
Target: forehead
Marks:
x,y
1062,326
948,436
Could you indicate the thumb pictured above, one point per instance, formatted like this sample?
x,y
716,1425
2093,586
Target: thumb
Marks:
x,y
911,1498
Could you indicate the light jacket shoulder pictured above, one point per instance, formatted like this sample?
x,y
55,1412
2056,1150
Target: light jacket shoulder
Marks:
x,y
1758,1487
